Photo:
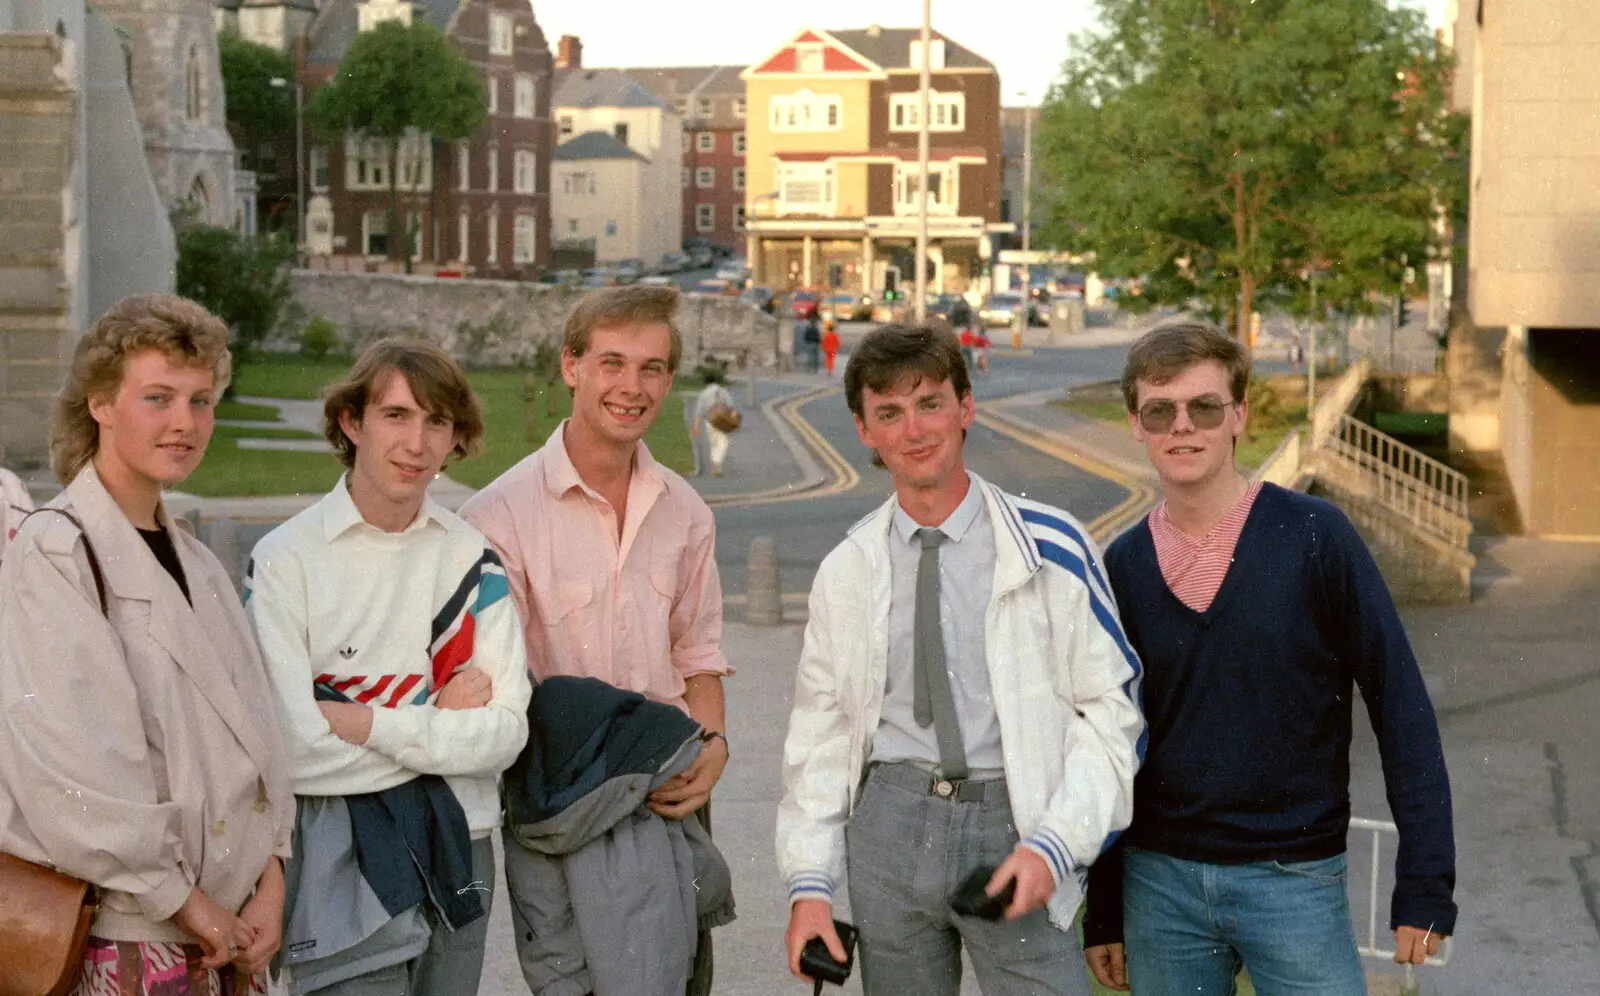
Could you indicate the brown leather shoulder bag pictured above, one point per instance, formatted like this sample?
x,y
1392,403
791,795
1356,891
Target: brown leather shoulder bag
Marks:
x,y
44,915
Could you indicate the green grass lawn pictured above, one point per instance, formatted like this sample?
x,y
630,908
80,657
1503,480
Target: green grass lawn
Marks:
x,y
230,471
240,411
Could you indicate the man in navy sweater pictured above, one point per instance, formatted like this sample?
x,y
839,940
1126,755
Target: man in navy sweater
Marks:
x,y
1254,610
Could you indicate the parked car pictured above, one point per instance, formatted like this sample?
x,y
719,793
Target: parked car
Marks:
x,y
804,303
700,257
734,272
714,288
673,262
599,276
657,280
1000,309
561,278
760,298
843,306
940,305
629,270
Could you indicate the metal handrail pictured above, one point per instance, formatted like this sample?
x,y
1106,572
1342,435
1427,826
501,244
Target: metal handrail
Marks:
x,y
1371,949
1428,493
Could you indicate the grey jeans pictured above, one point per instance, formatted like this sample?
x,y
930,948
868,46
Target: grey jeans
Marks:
x,y
906,851
453,963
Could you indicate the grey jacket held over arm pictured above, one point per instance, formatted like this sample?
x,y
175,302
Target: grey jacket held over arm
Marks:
x,y
606,896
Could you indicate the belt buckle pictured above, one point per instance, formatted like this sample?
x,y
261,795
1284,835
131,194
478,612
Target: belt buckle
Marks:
x,y
944,788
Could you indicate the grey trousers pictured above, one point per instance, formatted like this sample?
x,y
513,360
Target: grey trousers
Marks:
x,y
906,851
453,963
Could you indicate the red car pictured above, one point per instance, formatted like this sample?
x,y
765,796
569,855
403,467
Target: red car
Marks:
x,y
804,304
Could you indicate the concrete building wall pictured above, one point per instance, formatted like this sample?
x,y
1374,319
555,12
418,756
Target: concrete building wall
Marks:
x,y
615,202
82,224
1533,253
1534,243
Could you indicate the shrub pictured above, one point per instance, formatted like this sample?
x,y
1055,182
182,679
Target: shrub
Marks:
x,y
319,338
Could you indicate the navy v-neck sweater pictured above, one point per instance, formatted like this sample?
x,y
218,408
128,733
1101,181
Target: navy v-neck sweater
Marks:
x,y
1249,708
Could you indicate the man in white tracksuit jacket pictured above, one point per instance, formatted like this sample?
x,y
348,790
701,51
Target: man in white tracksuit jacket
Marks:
x,y
965,699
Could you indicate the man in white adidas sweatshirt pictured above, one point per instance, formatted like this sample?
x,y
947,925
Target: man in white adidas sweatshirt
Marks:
x,y
391,647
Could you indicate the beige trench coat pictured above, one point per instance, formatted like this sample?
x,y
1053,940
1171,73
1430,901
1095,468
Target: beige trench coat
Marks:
x,y
140,752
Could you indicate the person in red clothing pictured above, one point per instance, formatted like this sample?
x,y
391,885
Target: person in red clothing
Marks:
x,y
830,345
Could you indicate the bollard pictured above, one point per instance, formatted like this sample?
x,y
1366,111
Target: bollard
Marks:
x,y
225,545
763,596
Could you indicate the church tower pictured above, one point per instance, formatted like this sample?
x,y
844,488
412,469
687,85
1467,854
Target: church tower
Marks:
x,y
170,48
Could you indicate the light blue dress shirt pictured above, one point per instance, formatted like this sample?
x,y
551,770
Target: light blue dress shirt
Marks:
x,y
966,584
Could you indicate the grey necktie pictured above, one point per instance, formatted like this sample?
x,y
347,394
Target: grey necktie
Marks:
x,y
932,701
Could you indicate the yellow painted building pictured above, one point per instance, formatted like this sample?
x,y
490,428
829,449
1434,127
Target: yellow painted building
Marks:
x,y
831,153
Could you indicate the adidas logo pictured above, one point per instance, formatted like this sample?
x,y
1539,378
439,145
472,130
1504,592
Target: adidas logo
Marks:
x,y
347,652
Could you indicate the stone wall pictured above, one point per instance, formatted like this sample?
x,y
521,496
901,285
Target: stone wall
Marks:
x,y
502,322
38,134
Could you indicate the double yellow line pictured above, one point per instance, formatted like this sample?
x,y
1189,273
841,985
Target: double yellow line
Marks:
x,y
841,476
1141,496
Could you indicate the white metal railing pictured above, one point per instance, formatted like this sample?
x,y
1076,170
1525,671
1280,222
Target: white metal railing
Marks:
x,y
1370,949
1369,463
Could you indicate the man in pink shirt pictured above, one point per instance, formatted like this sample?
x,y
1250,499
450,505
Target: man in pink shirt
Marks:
x,y
609,554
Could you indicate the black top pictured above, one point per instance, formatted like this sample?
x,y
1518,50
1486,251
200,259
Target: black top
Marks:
x,y
1249,710
160,544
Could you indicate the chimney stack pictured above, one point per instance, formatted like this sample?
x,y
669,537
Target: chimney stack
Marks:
x,y
569,53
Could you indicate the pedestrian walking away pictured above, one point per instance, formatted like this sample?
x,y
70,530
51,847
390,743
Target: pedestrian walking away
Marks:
x,y
715,419
135,753
811,335
1255,610
399,677
963,684
830,345
609,559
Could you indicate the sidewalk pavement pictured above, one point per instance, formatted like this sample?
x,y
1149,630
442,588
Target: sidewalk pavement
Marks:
x,y
1519,689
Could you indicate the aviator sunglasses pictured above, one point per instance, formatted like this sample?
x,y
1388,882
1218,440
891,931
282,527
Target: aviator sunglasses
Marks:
x,y
1205,412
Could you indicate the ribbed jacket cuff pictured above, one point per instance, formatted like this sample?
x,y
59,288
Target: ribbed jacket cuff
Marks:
x,y
1048,845
810,885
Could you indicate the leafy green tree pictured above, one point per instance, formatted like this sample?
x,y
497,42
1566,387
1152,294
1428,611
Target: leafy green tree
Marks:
x,y
243,280
396,80
1230,150
257,110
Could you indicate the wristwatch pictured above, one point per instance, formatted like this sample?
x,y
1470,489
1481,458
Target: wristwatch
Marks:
x,y
707,736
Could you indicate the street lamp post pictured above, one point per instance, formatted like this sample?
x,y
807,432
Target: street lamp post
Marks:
x,y
921,285
299,160
1027,219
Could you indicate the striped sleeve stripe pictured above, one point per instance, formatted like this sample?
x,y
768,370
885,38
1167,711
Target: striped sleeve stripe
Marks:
x,y
816,885
1049,845
1107,618
1069,535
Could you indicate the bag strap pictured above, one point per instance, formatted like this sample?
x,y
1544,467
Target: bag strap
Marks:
x,y
94,561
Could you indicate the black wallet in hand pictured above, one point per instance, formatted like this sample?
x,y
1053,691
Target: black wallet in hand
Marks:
x,y
971,897
816,962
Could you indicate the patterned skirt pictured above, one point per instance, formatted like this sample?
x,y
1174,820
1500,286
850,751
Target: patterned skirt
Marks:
x,y
142,968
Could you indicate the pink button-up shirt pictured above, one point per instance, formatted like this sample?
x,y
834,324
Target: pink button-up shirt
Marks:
x,y
641,610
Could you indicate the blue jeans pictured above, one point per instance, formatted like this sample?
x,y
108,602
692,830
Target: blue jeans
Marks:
x,y
1189,926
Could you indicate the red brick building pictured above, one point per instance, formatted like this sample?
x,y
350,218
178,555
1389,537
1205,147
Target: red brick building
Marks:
x,y
481,205
711,101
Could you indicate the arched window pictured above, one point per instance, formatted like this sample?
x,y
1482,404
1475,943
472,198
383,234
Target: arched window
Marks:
x,y
193,90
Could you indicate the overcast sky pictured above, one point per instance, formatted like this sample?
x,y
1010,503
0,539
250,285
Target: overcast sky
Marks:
x,y
1025,39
